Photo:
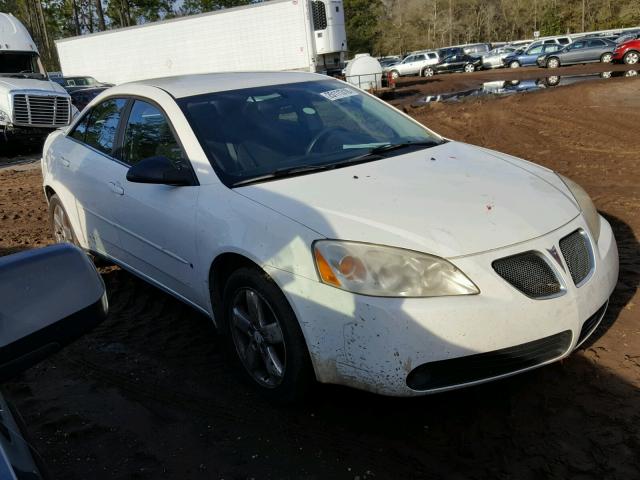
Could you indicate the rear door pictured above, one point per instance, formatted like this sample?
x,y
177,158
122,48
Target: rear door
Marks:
x,y
595,49
574,52
156,222
90,172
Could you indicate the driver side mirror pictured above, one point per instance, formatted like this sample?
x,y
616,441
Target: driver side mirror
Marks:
x,y
48,297
162,171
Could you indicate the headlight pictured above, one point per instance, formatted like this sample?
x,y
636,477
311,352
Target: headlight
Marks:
x,y
585,203
387,272
74,111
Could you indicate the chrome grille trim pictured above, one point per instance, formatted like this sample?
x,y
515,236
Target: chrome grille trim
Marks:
x,y
531,274
578,255
37,110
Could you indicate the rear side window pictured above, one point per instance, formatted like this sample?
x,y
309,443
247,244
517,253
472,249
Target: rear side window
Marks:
x,y
596,43
148,134
563,41
103,124
81,128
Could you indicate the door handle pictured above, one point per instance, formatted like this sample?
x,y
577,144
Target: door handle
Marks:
x,y
64,162
116,188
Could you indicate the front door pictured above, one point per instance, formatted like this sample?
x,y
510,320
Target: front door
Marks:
x,y
156,222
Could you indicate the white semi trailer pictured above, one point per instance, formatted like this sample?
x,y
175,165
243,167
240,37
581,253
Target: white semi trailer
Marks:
x,y
306,35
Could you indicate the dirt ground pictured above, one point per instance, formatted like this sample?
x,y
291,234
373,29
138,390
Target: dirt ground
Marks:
x,y
147,394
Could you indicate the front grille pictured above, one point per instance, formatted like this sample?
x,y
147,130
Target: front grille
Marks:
x,y
529,273
590,325
41,110
458,371
577,253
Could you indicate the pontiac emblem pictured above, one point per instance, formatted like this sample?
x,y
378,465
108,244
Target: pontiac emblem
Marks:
x,y
554,253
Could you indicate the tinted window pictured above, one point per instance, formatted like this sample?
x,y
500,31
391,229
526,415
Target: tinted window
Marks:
x,y
596,43
148,134
81,128
103,124
432,55
563,41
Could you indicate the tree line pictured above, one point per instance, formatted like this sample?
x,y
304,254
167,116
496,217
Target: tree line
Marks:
x,y
376,26
384,27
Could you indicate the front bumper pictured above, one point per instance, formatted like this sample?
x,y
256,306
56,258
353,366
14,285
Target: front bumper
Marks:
x,y
374,343
618,56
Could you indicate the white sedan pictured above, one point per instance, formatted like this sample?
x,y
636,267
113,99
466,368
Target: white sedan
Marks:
x,y
330,236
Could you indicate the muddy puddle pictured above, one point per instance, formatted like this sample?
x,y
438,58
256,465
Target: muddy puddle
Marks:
x,y
509,87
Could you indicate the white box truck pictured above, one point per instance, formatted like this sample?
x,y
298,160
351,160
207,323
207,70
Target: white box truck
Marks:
x,y
304,35
31,105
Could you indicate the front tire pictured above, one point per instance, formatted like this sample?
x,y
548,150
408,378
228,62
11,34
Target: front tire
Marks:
x,y
631,58
514,64
553,63
264,337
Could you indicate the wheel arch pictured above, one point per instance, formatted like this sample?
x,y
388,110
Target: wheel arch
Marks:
x,y
221,268
49,192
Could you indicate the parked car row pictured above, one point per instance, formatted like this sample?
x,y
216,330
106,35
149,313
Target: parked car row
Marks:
x,y
551,52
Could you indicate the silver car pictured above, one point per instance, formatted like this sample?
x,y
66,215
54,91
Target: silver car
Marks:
x,y
414,64
493,59
587,50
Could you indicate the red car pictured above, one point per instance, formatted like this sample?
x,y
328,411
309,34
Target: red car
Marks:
x,y
628,52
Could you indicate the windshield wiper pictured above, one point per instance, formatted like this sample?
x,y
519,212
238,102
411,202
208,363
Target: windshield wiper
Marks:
x,y
286,172
372,154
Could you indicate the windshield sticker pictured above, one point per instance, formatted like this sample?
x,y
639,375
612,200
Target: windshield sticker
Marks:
x,y
337,94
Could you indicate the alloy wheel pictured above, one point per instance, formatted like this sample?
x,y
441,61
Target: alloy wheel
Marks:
x,y
428,72
258,338
61,225
631,58
469,68
553,63
606,58
514,64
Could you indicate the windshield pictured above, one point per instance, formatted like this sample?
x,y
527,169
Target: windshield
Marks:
x,y
254,132
20,64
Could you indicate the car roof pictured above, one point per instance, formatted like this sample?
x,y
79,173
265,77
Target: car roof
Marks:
x,y
198,84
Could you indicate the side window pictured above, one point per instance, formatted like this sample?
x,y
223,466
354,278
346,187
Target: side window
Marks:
x,y
409,59
147,134
595,43
103,124
81,128
432,56
535,50
552,48
577,45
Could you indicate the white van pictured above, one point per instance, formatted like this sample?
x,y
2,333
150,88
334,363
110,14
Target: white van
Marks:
x,y
31,105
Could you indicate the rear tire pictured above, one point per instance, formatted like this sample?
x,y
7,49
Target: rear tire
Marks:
x,y
631,58
469,67
264,337
395,74
606,58
514,64
428,72
553,62
59,221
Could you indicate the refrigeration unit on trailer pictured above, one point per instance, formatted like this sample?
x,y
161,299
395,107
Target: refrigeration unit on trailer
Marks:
x,y
31,105
305,35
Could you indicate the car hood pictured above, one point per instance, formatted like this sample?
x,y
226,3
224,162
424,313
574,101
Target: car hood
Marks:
x,y
450,200
10,84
